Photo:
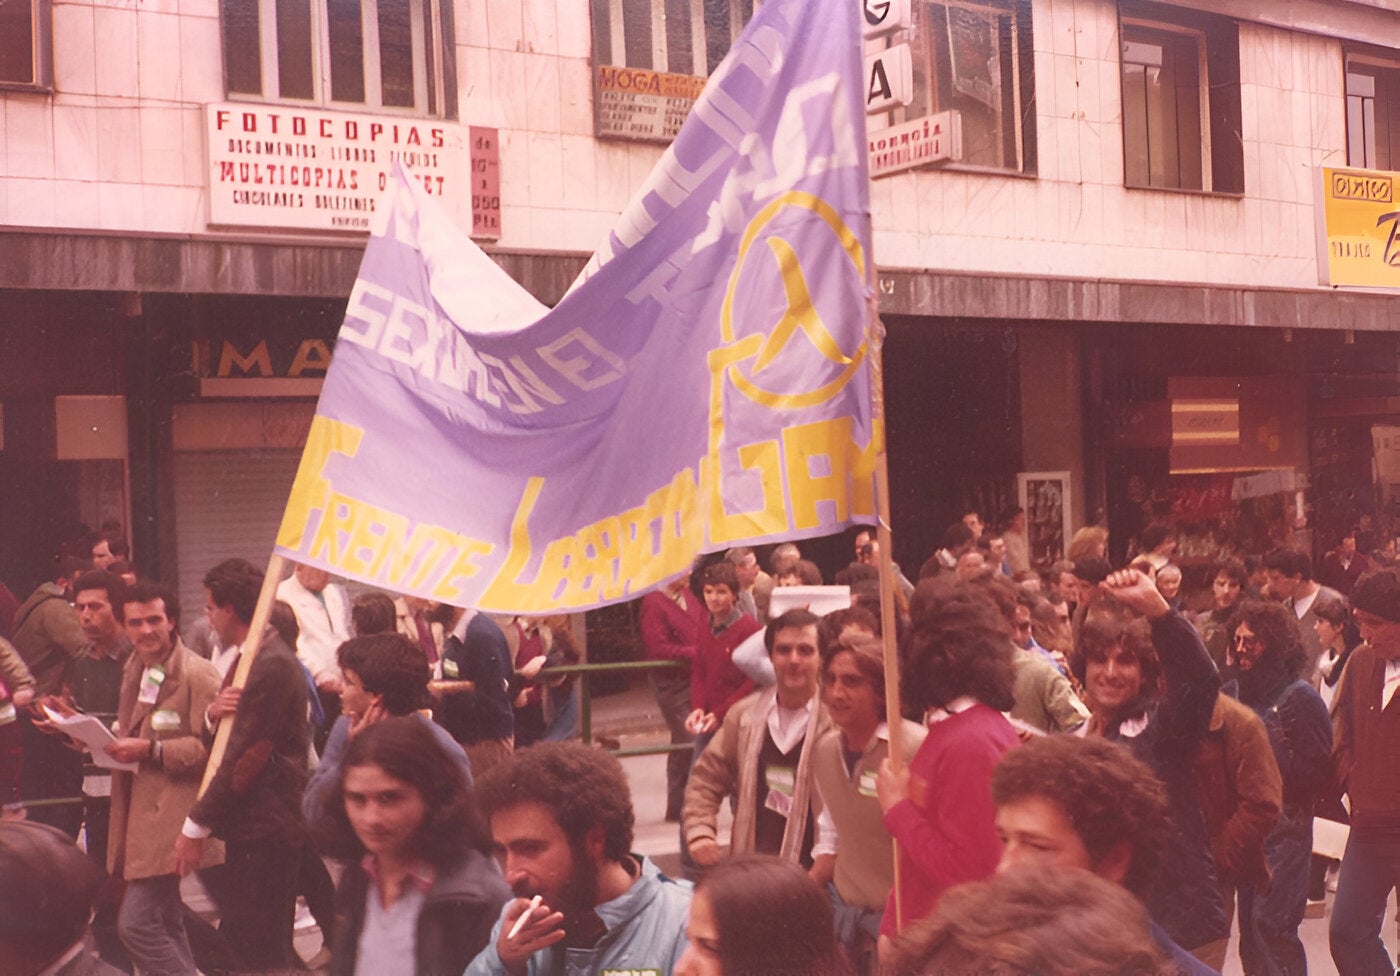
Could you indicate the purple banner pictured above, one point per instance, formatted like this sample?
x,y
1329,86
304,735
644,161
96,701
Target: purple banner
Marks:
x,y
704,384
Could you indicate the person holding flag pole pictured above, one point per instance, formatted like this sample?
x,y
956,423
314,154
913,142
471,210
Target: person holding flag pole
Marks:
x,y
709,381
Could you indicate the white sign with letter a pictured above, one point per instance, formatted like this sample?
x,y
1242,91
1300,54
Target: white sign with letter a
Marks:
x,y
889,79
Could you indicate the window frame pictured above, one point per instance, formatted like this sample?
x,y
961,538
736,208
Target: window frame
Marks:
x,y
41,51
1018,110
1218,87
1199,39
610,34
431,35
1382,62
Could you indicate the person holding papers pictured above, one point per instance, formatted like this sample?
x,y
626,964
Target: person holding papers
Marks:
x,y
164,693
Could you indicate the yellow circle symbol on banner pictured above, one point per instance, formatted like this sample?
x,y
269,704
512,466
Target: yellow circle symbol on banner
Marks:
x,y
800,316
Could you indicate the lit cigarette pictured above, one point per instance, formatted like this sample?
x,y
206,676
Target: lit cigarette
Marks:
x,y
520,922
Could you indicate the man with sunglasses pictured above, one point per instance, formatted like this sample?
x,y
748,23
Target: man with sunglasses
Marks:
x,y
1366,762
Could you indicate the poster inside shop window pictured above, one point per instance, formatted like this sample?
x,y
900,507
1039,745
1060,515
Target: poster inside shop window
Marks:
x,y
1045,496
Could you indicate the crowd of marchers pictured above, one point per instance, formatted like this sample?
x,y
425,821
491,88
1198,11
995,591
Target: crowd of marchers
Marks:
x,y
1083,778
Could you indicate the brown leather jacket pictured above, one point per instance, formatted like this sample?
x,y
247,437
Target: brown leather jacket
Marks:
x,y
1241,792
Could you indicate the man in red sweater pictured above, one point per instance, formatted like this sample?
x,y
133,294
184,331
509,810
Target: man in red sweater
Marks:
x,y
672,618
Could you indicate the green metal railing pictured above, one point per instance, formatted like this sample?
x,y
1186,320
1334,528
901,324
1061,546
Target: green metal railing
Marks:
x,y
586,701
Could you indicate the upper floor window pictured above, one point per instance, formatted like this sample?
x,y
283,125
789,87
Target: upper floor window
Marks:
x,y
374,54
1181,100
25,44
683,37
975,56
1373,113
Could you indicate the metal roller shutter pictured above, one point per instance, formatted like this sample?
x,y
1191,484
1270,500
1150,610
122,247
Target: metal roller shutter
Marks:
x,y
227,504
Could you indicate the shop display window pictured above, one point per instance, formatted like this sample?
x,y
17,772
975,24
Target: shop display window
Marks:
x,y
975,57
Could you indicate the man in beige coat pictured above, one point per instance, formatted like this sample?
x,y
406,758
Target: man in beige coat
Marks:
x,y
762,755
165,692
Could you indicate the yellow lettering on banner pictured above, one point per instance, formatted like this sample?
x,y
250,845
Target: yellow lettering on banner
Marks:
x,y
765,458
851,470
863,460
464,566
504,590
603,561
364,540
311,487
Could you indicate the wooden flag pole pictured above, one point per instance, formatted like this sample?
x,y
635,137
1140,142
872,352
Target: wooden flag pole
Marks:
x,y
888,624
247,654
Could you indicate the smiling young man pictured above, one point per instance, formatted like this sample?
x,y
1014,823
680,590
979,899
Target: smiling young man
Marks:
x,y
165,690
762,755
1366,761
853,852
1150,683
561,824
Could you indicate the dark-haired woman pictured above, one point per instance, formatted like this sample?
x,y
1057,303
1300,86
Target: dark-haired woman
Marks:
x,y
1338,636
1268,655
754,914
424,894
957,661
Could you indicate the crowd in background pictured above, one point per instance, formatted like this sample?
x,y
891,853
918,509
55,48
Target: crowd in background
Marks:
x,y
1091,773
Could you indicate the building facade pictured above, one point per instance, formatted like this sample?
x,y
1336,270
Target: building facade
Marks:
x,y
1117,289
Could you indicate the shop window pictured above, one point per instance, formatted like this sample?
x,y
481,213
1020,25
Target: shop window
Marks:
x,y
1373,113
390,55
974,56
683,37
1181,100
26,45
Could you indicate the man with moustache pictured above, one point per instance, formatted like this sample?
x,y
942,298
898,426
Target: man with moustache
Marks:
x,y
165,691
762,755
561,823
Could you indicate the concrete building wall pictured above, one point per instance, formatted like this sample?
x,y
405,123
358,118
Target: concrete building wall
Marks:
x,y
1076,218
119,146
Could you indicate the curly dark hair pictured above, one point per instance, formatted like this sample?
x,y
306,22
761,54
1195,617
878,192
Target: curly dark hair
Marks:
x,y
721,573
390,665
580,787
1276,627
406,749
110,583
957,644
1034,923
1109,625
1230,568
1107,794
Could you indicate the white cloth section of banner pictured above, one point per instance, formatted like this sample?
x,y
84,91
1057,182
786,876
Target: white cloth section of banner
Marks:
x,y
476,292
